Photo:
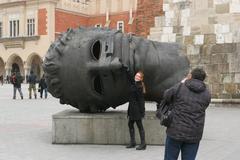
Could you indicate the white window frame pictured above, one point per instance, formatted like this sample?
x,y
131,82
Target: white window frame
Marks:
x,y
80,1
118,25
14,27
98,25
31,26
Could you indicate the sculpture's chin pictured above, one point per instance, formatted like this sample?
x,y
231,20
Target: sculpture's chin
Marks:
x,y
136,63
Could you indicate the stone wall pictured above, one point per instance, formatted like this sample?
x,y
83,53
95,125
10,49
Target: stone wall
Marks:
x,y
210,33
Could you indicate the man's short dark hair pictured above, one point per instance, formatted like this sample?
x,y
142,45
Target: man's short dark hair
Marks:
x,y
198,73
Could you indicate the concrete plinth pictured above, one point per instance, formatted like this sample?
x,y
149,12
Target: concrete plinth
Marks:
x,y
225,103
111,127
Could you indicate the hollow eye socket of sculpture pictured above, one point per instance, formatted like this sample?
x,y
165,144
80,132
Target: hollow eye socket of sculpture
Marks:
x,y
96,50
97,84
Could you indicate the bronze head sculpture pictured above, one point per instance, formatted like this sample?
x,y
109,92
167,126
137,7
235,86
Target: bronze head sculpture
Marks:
x,y
84,67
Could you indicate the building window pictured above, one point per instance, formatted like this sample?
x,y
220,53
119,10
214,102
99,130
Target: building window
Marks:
x,y
14,28
1,29
31,27
98,25
81,1
120,26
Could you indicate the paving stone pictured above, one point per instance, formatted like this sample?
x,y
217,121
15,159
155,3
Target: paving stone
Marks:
x,y
25,131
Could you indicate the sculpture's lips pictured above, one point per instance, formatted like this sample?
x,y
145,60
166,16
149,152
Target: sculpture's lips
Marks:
x,y
98,85
106,68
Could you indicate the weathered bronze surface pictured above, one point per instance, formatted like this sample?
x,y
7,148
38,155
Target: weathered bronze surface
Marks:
x,y
84,67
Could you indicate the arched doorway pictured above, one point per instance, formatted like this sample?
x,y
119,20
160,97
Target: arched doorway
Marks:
x,y
34,63
15,67
2,67
15,64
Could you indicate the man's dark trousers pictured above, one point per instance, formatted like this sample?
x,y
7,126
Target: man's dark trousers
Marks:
x,y
173,148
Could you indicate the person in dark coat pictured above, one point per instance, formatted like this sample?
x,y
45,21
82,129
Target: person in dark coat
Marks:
x,y
186,128
8,79
32,79
1,79
16,79
136,110
42,86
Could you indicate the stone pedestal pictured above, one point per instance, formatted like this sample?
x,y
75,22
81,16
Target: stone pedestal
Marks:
x,y
225,103
111,127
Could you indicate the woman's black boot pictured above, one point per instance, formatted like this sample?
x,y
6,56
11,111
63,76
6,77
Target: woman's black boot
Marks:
x,y
132,139
143,145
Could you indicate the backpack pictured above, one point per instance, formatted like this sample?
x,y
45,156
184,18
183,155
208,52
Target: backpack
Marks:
x,y
164,111
13,79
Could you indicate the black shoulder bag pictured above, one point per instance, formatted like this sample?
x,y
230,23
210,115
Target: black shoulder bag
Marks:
x,y
164,111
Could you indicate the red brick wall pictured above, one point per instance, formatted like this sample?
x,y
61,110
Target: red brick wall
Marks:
x,y
146,11
42,21
65,20
124,16
114,18
97,19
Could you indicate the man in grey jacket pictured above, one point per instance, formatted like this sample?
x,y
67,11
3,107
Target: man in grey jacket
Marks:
x,y
190,103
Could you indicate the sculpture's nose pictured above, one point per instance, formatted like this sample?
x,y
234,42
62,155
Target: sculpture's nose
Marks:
x,y
106,65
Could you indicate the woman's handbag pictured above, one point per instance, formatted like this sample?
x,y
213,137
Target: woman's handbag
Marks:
x,y
164,111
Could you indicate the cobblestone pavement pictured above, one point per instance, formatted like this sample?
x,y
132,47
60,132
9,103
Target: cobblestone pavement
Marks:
x,y
25,134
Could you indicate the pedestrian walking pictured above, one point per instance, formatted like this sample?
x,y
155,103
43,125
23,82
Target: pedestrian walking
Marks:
x,y
42,86
1,79
32,79
136,109
191,99
16,79
26,78
8,79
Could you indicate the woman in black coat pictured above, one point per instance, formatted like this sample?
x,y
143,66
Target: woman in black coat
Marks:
x,y
136,110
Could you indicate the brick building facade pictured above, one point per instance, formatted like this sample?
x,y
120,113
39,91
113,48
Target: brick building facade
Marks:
x,y
139,20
